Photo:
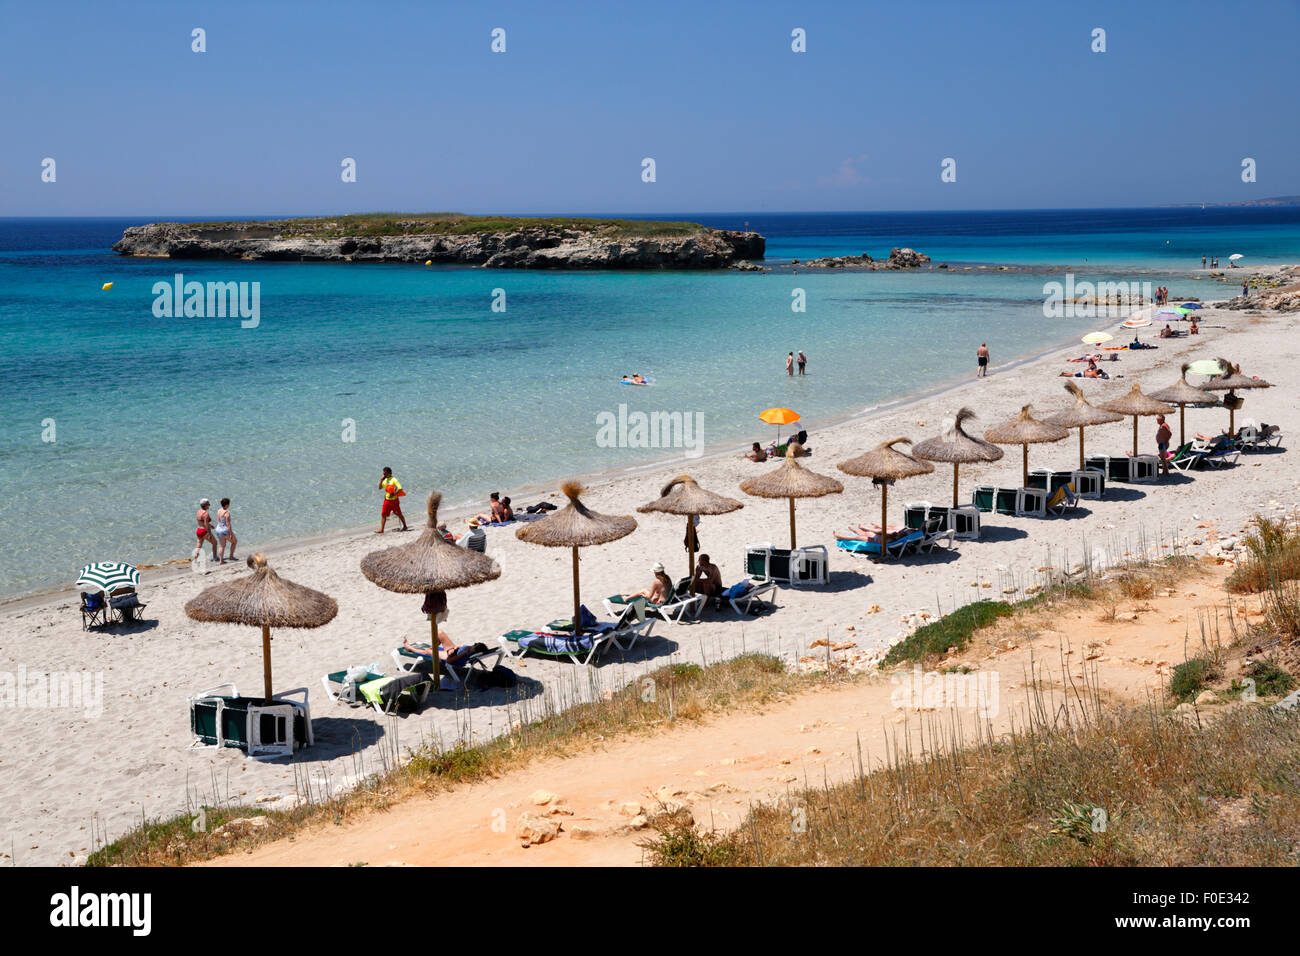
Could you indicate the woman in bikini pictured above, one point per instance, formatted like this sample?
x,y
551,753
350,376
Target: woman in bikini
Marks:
x,y
204,530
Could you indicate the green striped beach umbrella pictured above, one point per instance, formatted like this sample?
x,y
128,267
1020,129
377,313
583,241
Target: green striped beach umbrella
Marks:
x,y
108,576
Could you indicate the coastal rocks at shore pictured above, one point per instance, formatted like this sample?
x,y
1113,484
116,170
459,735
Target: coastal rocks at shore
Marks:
x,y
534,247
1278,290
898,259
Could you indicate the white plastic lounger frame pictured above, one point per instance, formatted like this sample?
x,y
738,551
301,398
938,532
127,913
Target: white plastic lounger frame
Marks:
x,y
671,611
284,709
761,587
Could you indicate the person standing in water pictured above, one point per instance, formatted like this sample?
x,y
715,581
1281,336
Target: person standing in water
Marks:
x,y
225,531
204,532
392,489
789,364
803,361
982,358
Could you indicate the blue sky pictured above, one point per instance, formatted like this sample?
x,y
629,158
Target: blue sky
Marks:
x,y
735,121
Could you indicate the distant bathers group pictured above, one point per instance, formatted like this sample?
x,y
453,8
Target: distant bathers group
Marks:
x,y
221,532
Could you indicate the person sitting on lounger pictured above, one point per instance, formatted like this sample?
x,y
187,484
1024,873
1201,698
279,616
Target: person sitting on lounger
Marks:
x,y
1166,332
756,453
707,579
660,590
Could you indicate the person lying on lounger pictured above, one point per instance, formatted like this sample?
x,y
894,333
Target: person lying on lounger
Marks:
x,y
873,538
660,590
874,528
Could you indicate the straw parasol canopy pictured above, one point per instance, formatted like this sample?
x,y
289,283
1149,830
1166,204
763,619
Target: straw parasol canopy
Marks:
x,y
1182,395
1025,430
1082,414
1229,382
576,526
791,480
1137,404
683,496
955,446
886,464
429,563
266,600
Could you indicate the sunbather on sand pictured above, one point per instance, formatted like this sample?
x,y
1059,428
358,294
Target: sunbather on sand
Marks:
x,y
756,453
507,512
659,591
494,514
873,538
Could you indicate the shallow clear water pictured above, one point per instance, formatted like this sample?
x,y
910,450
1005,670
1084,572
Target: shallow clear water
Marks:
x,y
150,414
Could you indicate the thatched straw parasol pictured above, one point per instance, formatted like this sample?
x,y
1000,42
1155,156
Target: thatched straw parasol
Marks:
x,y
791,480
429,563
576,526
955,446
1082,414
1025,430
266,600
1182,395
682,496
886,465
1229,382
1136,404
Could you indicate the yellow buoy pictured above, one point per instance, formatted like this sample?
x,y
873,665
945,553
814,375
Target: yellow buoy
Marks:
x,y
428,262
106,286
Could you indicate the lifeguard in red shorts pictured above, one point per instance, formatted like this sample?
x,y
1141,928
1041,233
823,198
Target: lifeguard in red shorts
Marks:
x,y
392,489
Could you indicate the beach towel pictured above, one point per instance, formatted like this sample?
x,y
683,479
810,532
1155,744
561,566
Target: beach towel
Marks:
x,y
566,624
737,591
557,644
873,547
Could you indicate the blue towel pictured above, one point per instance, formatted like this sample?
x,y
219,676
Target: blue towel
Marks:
x,y
873,547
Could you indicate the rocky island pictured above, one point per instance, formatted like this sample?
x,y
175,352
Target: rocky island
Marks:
x,y
451,238
898,259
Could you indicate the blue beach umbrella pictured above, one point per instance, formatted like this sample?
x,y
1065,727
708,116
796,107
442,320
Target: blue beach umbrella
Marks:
x,y
108,576
1190,305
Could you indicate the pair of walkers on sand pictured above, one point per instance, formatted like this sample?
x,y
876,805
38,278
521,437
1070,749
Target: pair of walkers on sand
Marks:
x,y
220,532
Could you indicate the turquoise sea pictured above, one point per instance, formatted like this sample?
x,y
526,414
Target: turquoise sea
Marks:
x,y
114,422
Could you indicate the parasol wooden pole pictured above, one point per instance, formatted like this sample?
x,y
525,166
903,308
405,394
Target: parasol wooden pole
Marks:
x,y
577,604
1182,424
792,524
690,545
1231,399
955,466
884,527
433,652
1025,468
266,661
1081,459
1135,434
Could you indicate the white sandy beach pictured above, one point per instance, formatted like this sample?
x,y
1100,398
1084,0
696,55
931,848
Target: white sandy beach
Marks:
x,y
66,775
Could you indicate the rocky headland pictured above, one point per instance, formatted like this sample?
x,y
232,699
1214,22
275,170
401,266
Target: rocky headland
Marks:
x,y
492,242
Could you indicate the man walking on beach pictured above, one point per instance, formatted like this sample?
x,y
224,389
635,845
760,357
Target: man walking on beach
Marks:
x,y
803,361
392,489
1163,434
789,364
982,357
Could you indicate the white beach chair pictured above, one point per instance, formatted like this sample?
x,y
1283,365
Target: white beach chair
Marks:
x,y
757,593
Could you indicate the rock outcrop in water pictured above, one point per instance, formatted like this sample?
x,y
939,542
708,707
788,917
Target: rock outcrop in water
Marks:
x,y
588,244
898,259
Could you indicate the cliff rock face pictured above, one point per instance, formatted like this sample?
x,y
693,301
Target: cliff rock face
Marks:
x,y
527,248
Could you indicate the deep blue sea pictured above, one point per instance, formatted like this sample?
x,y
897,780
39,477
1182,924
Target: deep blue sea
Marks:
x,y
114,421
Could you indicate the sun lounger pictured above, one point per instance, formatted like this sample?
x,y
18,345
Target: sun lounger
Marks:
x,y
897,545
1063,499
672,610
743,595
584,647
221,717
1185,458
457,666
1251,437
1218,452
341,686
388,695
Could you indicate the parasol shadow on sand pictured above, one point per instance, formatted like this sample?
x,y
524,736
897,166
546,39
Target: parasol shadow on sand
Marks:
x,y
1082,414
430,563
1136,404
1025,430
266,600
957,447
791,480
683,496
1182,395
576,526
1229,382
885,464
